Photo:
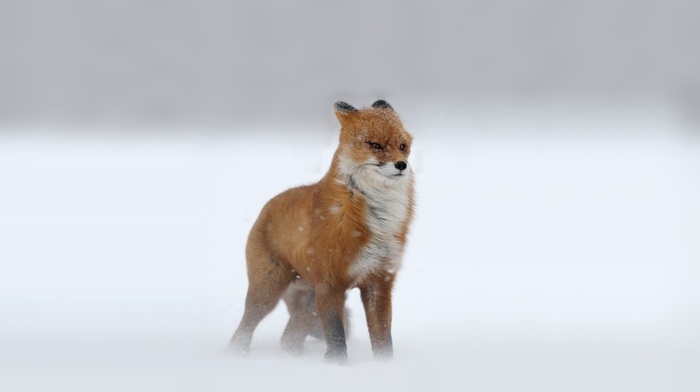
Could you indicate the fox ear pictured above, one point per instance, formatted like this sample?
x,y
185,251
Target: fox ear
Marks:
x,y
343,111
382,104
343,107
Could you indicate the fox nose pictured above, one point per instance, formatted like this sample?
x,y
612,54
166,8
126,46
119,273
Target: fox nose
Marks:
x,y
401,165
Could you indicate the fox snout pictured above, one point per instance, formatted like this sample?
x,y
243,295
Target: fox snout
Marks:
x,y
399,168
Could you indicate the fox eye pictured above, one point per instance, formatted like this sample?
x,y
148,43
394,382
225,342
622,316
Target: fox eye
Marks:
x,y
376,145
402,146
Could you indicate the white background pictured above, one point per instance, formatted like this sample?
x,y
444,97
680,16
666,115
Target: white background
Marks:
x,y
545,255
557,160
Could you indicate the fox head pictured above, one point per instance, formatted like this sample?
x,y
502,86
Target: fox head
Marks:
x,y
374,147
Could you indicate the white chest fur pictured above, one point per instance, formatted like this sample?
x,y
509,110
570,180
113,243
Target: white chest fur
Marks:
x,y
387,201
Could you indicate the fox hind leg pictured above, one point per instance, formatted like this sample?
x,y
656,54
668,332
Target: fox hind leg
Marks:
x,y
303,318
268,280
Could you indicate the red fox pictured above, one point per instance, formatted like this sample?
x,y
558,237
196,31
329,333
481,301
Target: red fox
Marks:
x,y
313,243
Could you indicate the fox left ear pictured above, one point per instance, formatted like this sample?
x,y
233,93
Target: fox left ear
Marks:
x,y
344,111
344,107
382,104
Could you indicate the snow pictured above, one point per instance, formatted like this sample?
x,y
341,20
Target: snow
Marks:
x,y
538,260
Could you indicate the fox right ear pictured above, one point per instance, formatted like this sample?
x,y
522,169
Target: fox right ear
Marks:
x,y
382,104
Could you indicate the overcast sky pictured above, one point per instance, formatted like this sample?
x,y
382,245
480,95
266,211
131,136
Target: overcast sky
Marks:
x,y
223,62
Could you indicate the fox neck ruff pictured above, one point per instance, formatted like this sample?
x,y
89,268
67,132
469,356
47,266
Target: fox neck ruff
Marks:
x,y
388,199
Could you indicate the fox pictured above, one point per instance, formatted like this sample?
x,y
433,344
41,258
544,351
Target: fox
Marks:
x,y
313,243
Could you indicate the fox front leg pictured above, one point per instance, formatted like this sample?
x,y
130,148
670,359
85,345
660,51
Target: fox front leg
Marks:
x,y
376,298
330,302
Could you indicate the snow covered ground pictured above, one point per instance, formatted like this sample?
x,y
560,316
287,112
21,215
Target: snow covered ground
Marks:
x,y
560,256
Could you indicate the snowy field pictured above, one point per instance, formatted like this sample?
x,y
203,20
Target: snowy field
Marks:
x,y
545,256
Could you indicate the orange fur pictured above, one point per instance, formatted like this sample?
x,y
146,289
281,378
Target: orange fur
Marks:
x,y
339,233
